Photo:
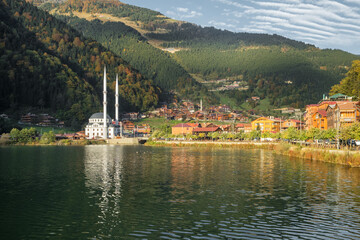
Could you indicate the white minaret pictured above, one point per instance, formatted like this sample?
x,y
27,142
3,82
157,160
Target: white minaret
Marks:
x,y
105,112
201,108
117,101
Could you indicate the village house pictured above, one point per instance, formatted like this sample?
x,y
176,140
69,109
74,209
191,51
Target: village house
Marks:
x,y
29,118
206,130
128,126
267,124
312,109
143,129
182,129
319,120
342,114
225,128
240,127
243,127
292,123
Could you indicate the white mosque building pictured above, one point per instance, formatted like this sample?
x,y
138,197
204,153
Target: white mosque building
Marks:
x,y
100,124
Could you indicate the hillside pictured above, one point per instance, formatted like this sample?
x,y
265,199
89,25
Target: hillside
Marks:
x,y
47,65
233,65
103,21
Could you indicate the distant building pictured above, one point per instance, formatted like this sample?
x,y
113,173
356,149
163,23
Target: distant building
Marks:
x,y
343,114
100,124
29,118
206,130
182,129
95,128
293,123
243,127
319,119
265,124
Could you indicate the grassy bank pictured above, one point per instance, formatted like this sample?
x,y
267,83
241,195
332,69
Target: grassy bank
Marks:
x,y
344,157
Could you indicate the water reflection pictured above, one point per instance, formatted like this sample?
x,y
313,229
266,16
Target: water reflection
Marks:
x,y
103,175
252,194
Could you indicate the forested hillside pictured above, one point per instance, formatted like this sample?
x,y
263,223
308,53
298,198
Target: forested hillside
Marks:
x,y
132,47
284,71
48,65
129,43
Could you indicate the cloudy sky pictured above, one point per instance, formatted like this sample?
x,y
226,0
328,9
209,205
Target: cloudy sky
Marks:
x,y
325,23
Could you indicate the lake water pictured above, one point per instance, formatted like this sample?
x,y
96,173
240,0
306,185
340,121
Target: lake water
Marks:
x,y
138,192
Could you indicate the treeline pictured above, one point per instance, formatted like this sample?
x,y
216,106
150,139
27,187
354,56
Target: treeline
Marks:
x,y
46,64
191,35
150,61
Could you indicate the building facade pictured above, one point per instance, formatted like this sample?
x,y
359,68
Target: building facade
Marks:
x,y
95,128
265,124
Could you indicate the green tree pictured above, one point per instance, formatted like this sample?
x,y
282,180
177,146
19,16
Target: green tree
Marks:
x,y
255,134
350,85
47,137
15,134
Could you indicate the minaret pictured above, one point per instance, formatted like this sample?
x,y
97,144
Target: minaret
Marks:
x,y
201,108
117,101
105,112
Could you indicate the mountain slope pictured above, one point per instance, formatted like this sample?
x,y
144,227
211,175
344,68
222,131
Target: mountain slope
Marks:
x,y
128,43
285,71
47,64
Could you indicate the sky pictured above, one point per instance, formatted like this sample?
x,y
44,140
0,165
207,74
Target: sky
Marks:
x,y
333,24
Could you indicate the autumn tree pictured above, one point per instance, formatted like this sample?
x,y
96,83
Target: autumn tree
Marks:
x,y
350,85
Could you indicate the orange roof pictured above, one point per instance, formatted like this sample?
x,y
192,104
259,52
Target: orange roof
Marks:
x,y
347,105
206,129
181,125
193,124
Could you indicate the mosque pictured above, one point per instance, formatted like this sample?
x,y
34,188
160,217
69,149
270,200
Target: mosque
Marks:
x,y
100,124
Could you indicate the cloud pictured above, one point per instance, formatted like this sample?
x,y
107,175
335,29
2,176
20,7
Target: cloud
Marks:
x,y
311,21
183,13
221,25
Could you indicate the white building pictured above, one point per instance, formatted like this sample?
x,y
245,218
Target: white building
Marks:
x,y
95,128
100,126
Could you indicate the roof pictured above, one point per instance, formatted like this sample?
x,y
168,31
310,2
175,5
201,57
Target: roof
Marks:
x,y
322,113
99,115
206,129
181,125
193,124
338,95
347,105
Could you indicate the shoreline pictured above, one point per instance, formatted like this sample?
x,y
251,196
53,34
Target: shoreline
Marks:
x,y
349,158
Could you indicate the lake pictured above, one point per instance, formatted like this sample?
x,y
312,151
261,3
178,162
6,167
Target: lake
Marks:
x,y
139,192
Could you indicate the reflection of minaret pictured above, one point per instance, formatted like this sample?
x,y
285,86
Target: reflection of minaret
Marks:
x,y
103,175
105,112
